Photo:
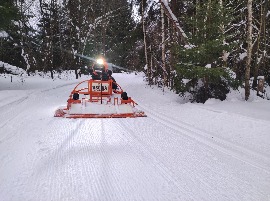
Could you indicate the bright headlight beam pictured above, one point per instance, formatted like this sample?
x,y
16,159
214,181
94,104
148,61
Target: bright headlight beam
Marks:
x,y
100,61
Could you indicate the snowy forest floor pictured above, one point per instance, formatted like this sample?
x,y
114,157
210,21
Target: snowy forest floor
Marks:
x,y
219,150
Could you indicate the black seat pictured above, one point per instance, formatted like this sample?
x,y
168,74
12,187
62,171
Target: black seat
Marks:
x,y
124,96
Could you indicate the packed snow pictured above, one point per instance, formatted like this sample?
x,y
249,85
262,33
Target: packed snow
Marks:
x,y
3,34
181,151
9,68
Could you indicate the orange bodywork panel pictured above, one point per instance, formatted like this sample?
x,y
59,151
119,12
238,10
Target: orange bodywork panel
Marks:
x,y
98,93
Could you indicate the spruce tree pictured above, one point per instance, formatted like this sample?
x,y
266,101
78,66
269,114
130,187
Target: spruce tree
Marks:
x,y
119,36
203,62
8,12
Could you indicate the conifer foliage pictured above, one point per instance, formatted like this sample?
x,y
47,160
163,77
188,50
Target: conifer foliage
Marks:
x,y
8,12
208,48
203,62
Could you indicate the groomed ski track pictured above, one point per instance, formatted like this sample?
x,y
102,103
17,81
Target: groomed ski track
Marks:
x,y
169,155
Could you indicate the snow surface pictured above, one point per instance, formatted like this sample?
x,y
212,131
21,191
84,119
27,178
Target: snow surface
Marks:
x,y
13,69
219,150
242,55
3,34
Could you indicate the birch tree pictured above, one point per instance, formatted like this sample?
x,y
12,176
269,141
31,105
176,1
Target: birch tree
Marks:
x,y
144,40
174,20
249,49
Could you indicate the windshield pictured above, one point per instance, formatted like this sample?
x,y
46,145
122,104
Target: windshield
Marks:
x,y
98,67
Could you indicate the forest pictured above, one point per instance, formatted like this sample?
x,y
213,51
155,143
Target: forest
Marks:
x,y
200,49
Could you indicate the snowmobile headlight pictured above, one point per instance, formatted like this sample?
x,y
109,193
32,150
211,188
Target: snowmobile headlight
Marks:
x,y
100,61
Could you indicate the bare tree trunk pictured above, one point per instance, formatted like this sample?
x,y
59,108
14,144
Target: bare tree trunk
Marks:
x,y
104,33
206,19
145,44
26,51
151,66
52,24
167,10
222,15
163,48
104,39
261,33
249,49
222,29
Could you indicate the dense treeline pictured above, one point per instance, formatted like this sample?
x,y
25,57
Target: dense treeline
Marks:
x,y
204,48
49,35
199,48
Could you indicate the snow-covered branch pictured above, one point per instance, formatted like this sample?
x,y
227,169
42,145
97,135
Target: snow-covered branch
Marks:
x,y
170,14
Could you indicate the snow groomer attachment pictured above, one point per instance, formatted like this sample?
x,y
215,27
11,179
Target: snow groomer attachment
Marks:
x,y
99,97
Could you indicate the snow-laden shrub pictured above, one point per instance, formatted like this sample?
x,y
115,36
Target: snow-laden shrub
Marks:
x,y
204,83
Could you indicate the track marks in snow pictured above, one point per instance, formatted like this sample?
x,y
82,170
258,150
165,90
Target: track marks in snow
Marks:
x,y
249,156
48,163
121,159
81,158
188,163
236,131
243,153
171,164
154,160
119,169
116,175
11,110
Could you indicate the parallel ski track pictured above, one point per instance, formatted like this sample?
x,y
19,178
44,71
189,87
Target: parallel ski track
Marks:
x,y
59,156
81,135
142,149
167,164
160,161
156,162
134,142
241,153
15,109
235,114
236,151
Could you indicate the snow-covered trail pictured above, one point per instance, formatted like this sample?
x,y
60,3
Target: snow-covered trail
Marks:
x,y
179,152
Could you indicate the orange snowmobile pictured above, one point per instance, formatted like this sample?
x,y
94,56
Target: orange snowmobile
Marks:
x,y
99,98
